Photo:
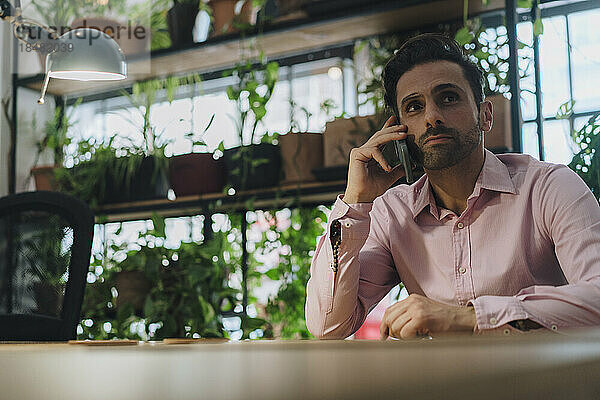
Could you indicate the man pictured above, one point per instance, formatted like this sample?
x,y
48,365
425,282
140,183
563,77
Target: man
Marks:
x,y
481,242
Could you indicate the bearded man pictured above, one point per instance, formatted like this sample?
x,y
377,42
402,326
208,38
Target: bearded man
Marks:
x,y
482,242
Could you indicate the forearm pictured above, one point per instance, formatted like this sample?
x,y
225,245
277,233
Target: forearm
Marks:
x,y
332,304
340,292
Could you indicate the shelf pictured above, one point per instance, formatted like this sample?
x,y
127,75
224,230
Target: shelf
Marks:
x,y
281,39
309,194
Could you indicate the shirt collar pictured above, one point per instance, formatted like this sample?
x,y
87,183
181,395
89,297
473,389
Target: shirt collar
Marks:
x,y
493,176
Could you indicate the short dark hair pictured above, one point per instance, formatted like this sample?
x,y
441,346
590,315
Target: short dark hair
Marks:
x,y
423,49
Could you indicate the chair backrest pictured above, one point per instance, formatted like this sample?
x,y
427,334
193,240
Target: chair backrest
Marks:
x,y
45,246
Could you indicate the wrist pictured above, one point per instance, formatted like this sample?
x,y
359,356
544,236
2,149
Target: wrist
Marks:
x,y
353,198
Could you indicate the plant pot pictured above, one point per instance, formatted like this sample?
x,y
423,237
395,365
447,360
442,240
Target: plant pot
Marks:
x,y
146,184
132,39
342,135
499,139
132,288
300,154
196,173
224,13
247,177
180,20
44,177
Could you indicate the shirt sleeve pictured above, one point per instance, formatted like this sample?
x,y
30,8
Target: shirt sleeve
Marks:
x,y
338,303
570,216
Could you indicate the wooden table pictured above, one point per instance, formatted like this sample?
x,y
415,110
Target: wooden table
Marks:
x,y
535,366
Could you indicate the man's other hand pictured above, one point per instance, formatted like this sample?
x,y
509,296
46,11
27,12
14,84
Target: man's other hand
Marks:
x,y
418,316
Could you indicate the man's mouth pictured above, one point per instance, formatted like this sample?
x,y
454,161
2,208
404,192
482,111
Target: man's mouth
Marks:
x,y
438,139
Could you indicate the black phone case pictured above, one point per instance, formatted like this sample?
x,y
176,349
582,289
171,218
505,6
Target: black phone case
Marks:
x,y
396,152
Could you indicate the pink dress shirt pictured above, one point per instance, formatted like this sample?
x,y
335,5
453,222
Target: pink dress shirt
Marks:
x,y
526,247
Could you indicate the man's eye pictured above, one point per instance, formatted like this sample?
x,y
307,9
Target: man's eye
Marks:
x,y
449,98
413,107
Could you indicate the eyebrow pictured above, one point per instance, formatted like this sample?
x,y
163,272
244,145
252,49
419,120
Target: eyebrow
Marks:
x,y
436,89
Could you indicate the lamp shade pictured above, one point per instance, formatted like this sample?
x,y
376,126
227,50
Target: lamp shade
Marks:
x,y
87,55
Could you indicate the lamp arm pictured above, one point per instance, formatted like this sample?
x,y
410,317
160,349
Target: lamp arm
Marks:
x,y
26,30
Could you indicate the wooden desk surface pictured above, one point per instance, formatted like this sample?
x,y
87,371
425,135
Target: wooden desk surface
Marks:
x,y
544,366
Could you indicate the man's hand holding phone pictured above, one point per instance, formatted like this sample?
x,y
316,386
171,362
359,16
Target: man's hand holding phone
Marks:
x,y
366,180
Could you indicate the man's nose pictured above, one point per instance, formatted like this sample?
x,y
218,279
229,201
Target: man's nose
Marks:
x,y
433,116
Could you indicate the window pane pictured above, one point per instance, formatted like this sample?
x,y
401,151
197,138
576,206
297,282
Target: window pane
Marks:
x,y
557,142
585,58
527,83
554,65
530,140
310,92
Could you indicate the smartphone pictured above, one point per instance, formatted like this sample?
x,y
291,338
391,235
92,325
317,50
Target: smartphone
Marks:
x,y
396,152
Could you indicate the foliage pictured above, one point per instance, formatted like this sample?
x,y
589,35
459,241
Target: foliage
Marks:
x,y
189,290
99,162
294,245
59,14
96,164
252,90
55,133
153,12
586,139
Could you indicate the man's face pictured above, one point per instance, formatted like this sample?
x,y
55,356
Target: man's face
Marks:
x,y
437,105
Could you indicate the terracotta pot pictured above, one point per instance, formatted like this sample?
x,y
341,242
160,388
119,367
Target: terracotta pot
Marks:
x,y
499,139
224,12
131,38
196,173
342,135
132,287
44,177
300,154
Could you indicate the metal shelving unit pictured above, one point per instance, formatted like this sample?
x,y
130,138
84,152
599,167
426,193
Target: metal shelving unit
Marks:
x,y
328,32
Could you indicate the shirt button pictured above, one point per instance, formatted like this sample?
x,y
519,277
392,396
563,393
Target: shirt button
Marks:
x,y
460,225
493,321
347,224
507,332
462,270
554,327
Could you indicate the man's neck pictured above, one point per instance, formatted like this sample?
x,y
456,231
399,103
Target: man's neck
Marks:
x,y
453,186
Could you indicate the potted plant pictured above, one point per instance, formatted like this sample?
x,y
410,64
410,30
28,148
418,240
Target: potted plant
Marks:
x,y
196,172
252,165
105,172
55,139
302,151
188,290
229,17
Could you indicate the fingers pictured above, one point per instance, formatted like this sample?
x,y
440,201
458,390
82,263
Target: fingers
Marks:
x,y
391,120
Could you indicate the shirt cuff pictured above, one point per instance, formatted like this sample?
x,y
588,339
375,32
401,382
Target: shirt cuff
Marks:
x,y
496,311
354,219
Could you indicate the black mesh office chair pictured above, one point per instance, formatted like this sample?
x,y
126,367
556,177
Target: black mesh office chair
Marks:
x,y
45,245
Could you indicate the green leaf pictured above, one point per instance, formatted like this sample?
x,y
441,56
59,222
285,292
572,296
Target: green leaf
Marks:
x,y
212,118
273,274
565,110
463,36
159,225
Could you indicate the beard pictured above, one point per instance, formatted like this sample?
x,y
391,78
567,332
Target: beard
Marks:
x,y
447,154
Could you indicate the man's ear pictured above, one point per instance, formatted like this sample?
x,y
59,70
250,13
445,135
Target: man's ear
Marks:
x,y
486,115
